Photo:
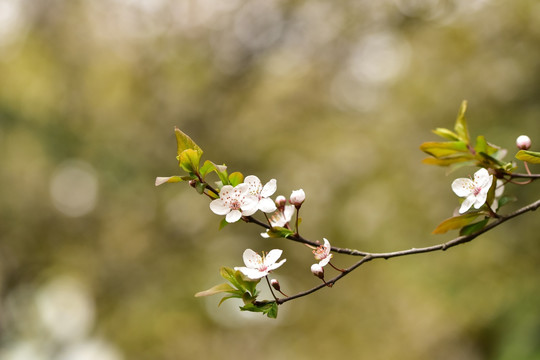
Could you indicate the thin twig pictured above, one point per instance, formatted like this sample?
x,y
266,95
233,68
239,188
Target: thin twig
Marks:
x,y
454,242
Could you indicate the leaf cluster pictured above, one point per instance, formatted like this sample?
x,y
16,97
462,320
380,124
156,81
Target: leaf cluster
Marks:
x,y
240,287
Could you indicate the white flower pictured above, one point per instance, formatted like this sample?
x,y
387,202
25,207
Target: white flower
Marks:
x,y
297,197
322,253
266,204
280,218
234,202
259,266
474,191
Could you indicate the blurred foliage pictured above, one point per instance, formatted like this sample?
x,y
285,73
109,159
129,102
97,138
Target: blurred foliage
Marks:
x,y
331,97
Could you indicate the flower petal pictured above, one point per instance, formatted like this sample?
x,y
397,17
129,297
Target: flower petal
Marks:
x,y
462,187
267,205
326,260
269,189
467,203
253,274
219,207
251,258
480,199
233,216
481,177
249,205
272,256
275,265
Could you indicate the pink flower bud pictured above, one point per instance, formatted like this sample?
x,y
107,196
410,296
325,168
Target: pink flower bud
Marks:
x,y
318,271
281,201
523,142
275,284
297,198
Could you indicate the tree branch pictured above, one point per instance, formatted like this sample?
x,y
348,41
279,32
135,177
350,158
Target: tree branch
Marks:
x,y
444,246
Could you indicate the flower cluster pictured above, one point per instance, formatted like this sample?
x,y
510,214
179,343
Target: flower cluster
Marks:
x,y
244,199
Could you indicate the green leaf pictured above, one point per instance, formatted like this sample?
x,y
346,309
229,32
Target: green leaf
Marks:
x,y
456,222
235,296
269,308
461,124
447,134
446,161
279,232
221,170
481,145
171,179
189,160
184,142
444,149
207,168
216,290
223,223
236,178
472,228
532,157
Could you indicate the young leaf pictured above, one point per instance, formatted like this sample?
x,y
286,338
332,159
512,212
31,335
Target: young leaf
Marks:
x,y
447,134
269,308
236,178
171,179
207,168
532,157
456,222
472,228
447,161
279,232
184,142
443,149
189,160
461,124
216,290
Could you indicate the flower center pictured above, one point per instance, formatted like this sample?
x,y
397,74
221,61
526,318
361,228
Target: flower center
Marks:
x,y
234,204
320,252
476,190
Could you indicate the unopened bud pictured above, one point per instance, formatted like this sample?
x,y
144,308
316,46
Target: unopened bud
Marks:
x,y
523,142
275,284
297,198
193,183
281,201
318,271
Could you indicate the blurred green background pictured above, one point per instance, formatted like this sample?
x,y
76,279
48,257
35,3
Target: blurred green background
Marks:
x,y
331,97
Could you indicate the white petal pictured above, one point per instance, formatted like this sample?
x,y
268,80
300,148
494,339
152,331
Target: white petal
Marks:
x,y
288,212
265,235
325,261
500,188
267,205
326,243
276,265
252,179
272,256
253,274
225,191
233,216
480,199
249,205
219,207
462,187
467,203
481,176
251,258
269,189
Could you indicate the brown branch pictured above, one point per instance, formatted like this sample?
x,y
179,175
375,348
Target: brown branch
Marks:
x,y
444,246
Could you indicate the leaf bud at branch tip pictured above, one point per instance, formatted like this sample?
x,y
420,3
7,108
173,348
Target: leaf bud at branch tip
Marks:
x,y
523,142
